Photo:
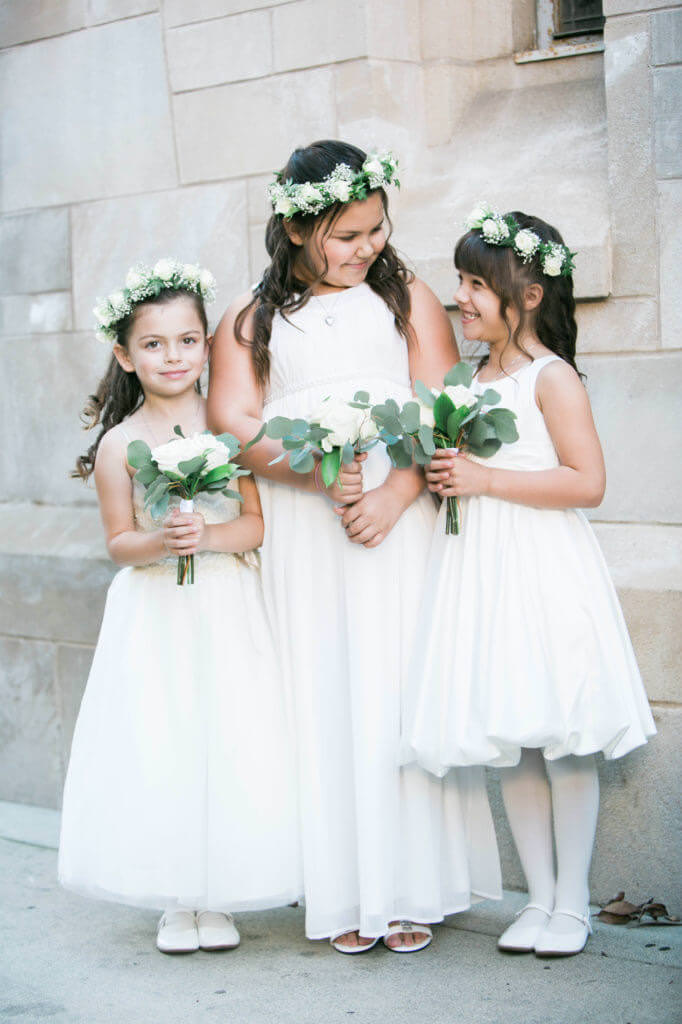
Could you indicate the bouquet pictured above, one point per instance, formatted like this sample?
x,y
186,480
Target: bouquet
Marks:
x,y
452,418
186,466
337,430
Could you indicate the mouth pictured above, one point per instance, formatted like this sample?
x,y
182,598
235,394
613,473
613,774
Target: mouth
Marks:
x,y
358,266
468,316
173,374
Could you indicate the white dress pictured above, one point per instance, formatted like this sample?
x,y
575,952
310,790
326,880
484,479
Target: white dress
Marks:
x,y
523,642
379,842
181,780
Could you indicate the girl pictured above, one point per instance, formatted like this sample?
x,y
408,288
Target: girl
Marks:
x,y
526,662
385,850
180,784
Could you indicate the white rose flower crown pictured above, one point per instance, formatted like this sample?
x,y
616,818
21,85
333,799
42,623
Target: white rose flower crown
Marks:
x,y
143,283
343,185
556,260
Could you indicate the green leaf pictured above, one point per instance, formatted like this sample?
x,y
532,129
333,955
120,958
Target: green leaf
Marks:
x,y
399,457
425,435
503,420
460,373
273,462
442,408
486,448
331,464
147,475
361,396
232,494
230,442
455,421
489,397
421,457
278,427
409,417
302,461
347,453
139,454
479,432
290,444
254,440
299,428
160,507
424,394
191,466
219,473
177,429
160,487
316,434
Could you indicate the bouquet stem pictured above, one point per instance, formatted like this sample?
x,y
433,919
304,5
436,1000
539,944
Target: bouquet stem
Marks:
x,y
186,562
452,516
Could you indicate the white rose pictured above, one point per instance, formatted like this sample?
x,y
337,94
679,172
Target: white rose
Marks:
x,y
526,243
217,455
479,213
134,280
553,263
340,190
104,337
460,396
168,456
207,284
103,314
426,418
374,169
191,273
284,205
494,229
165,269
341,420
309,195
118,303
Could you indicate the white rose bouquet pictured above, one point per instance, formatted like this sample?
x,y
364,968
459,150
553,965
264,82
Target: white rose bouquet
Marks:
x,y
337,430
452,418
187,466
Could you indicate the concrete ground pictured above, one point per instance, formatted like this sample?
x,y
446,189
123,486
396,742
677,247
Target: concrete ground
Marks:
x,y
69,960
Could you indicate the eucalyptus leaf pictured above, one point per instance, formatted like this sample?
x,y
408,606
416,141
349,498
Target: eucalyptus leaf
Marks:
x,y
399,457
347,453
420,456
361,396
302,461
409,417
254,440
233,494
139,454
490,397
273,462
278,427
460,373
147,474
177,429
290,444
478,433
425,435
191,466
299,428
424,394
160,507
486,448
230,442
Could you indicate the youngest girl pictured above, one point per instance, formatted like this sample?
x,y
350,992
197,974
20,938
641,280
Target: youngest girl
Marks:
x,y
180,789
527,662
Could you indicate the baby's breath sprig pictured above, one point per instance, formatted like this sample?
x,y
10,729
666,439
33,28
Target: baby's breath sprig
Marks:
x,y
343,185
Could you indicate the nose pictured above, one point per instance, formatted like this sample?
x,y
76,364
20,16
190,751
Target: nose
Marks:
x,y
173,353
460,295
365,249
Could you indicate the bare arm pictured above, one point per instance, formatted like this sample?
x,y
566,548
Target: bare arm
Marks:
x,y
578,482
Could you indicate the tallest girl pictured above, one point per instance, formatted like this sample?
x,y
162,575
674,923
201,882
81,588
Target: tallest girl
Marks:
x,y
385,849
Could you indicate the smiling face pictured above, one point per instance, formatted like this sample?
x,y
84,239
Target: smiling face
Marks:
x,y
166,346
480,308
343,253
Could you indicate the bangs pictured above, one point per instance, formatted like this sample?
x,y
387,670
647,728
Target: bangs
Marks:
x,y
474,256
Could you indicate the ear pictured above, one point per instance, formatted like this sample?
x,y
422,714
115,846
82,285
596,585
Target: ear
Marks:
x,y
532,296
294,236
124,360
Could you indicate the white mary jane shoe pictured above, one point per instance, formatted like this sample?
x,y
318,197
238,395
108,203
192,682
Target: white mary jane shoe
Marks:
x,y
408,928
520,937
568,944
177,932
216,931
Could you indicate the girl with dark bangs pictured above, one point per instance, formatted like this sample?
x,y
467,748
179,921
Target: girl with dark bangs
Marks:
x,y
337,311
526,662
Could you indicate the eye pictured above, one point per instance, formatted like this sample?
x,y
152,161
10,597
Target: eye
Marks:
x,y
189,340
152,344
377,229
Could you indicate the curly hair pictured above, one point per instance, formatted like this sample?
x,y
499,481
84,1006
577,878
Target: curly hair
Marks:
x,y
554,319
282,290
119,392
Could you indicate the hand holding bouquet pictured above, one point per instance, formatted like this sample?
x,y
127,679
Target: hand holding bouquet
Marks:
x,y
337,430
452,418
186,466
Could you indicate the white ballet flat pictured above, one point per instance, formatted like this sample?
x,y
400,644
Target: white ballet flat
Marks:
x,y
407,928
350,950
520,937
549,944
177,932
216,931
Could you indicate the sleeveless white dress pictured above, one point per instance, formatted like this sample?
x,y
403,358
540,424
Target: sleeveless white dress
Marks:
x,y
379,842
181,782
522,639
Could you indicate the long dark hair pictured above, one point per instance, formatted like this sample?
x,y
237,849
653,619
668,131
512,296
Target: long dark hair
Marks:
x,y
554,319
280,288
119,393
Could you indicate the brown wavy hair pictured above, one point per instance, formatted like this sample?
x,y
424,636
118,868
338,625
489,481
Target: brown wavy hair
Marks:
x,y
554,319
119,393
280,288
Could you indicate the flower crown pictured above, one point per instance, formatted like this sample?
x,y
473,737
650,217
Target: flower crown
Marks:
x,y
556,260
143,283
343,185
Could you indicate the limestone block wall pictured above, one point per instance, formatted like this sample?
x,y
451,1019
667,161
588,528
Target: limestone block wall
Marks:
x,y
136,128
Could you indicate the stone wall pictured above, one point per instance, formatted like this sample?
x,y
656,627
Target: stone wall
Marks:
x,y
135,128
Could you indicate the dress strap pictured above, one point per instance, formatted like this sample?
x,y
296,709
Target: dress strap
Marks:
x,y
125,433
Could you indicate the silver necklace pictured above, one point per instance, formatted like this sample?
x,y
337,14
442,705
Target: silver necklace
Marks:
x,y
149,428
329,317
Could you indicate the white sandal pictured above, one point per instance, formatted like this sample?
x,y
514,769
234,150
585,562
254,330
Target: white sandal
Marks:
x,y
408,928
340,947
551,944
520,937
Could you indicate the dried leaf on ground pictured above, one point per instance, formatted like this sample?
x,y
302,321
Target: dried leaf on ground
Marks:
x,y
621,911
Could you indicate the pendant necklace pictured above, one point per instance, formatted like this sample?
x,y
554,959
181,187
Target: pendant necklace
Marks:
x,y
329,317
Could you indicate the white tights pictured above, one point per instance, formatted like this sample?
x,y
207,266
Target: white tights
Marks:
x,y
535,792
